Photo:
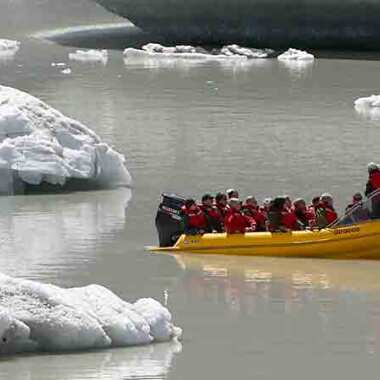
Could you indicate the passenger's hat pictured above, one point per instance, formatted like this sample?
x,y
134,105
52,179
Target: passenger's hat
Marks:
x,y
234,201
372,166
327,197
230,192
267,201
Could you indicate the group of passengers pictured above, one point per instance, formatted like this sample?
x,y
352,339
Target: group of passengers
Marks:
x,y
227,213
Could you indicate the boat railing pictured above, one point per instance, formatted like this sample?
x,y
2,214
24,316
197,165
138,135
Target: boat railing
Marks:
x,y
364,211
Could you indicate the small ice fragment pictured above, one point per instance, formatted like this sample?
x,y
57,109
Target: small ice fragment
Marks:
x,y
295,55
92,55
9,47
58,64
368,106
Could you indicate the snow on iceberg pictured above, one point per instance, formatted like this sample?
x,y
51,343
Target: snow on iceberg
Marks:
x,y
43,317
41,146
92,55
368,106
154,50
295,55
9,47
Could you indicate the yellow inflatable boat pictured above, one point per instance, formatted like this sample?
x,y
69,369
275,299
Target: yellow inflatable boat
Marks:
x,y
360,241
354,236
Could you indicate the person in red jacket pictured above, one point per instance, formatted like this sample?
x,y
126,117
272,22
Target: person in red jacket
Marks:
x,y
213,215
194,218
325,213
221,203
304,215
251,209
289,220
235,222
373,185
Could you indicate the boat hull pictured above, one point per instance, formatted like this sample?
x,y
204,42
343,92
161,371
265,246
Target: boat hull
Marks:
x,y
331,24
351,242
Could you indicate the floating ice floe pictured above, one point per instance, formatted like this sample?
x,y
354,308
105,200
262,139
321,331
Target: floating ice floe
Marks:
x,y
58,64
43,317
153,50
99,56
40,146
9,47
66,71
295,55
368,106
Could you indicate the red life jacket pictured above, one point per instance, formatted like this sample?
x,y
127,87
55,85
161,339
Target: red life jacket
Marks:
x,y
257,215
331,215
222,209
328,213
212,212
374,180
195,218
289,220
235,222
306,217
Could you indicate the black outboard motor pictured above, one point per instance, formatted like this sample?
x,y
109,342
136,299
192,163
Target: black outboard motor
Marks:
x,y
169,221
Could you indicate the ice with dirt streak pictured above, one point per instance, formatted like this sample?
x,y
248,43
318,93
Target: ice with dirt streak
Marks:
x,y
40,144
43,317
154,50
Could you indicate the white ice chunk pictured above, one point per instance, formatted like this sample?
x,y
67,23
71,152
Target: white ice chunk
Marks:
x,y
92,55
66,71
9,47
47,317
58,64
158,317
368,106
235,52
295,55
39,144
372,101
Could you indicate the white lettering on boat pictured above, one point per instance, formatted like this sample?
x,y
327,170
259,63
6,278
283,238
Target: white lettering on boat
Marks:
x,y
347,230
191,241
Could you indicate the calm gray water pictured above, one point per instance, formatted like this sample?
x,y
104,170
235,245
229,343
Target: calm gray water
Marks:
x,y
190,127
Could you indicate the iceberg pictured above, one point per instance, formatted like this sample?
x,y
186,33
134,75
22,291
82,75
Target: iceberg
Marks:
x,y
92,55
368,106
295,55
154,50
9,47
43,317
42,149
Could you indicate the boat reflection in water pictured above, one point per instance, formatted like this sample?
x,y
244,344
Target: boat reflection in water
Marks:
x,y
336,301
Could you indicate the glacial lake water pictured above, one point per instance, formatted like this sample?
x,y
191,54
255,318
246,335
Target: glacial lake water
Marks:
x,y
190,127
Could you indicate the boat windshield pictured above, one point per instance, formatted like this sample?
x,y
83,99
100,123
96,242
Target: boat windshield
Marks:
x,y
365,210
